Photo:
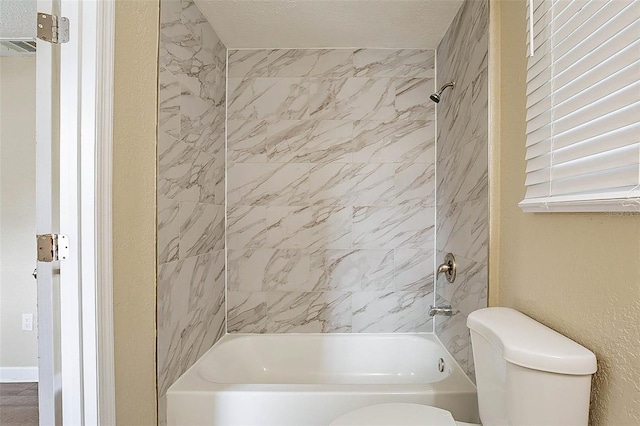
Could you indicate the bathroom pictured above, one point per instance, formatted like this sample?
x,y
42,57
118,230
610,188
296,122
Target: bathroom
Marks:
x,y
527,252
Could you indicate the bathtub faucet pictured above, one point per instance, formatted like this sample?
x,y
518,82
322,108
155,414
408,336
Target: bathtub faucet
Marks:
x,y
445,310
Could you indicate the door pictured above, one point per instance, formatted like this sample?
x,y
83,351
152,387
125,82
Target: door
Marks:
x,y
48,221
59,314
74,94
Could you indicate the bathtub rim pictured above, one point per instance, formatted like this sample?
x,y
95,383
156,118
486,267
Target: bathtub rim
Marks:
x,y
456,382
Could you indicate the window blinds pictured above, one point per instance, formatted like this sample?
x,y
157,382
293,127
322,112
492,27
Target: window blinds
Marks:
x,y
583,106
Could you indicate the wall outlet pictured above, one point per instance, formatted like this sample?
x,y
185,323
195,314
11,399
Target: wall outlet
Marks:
x,y
27,322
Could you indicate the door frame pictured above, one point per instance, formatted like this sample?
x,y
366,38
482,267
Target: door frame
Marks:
x,y
95,64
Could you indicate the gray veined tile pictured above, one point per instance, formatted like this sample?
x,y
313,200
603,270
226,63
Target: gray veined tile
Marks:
x,y
394,141
391,312
207,282
246,268
322,97
412,98
351,270
168,103
308,312
466,172
201,228
366,98
247,312
268,270
268,98
415,184
177,44
316,141
201,122
246,226
471,368
461,51
189,286
468,292
393,227
463,229
185,173
170,12
197,24
329,141
268,184
200,72
324,63
309,227
414,270
352,184
455,121
168,230
248,63
247,141
287,270
219,188
287,140
173,293
394,63
454,334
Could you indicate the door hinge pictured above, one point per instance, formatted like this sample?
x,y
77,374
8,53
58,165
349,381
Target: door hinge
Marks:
x,y
52,28
52,247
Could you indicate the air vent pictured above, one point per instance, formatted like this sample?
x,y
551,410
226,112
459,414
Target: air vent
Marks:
x,y
17,47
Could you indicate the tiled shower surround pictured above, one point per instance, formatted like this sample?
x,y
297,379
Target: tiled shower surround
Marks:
x,y
330,190
462,169
330,195
190,191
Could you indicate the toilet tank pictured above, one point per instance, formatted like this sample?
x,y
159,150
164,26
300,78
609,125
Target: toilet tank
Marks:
x,y
527,373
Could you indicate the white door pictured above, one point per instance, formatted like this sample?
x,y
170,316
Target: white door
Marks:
x,y
48,221
59,315
74,95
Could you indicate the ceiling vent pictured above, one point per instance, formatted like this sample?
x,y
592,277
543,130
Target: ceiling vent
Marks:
x,y
18,47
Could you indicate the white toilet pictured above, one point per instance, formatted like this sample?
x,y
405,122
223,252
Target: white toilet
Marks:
x,y
527,374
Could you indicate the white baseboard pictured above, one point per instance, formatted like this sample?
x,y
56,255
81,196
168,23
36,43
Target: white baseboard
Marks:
x,y
18,374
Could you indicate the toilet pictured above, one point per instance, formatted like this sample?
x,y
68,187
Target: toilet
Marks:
x,y
526,374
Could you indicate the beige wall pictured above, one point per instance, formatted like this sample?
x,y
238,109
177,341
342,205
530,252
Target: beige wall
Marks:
x,y
577,273
17,211
134,210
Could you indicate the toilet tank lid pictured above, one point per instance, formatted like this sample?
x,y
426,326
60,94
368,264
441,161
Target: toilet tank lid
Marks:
x,y
525,342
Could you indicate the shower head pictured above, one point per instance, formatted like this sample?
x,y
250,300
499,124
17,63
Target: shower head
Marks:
x,y
436,96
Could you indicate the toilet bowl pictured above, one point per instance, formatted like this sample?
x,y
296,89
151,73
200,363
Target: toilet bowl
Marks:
x,y
527,374
398,414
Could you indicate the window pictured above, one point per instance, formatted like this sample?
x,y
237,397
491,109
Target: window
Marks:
x,y
583,106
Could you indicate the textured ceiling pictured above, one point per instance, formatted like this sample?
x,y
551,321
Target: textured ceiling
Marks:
x,y
17,19
330,23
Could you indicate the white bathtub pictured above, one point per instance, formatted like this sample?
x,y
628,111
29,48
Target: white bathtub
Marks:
x,y
311,379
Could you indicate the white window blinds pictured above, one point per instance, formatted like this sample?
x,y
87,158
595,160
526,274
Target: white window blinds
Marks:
x,y
583,106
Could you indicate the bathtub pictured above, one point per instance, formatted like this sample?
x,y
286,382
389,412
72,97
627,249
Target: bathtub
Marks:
x,y
311,379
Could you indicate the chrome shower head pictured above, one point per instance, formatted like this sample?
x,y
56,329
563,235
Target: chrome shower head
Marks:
x,y
436,96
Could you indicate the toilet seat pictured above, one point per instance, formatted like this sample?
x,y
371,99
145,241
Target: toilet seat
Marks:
x,y
397,414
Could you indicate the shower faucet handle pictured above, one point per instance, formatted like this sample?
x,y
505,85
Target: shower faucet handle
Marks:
x,y
448,268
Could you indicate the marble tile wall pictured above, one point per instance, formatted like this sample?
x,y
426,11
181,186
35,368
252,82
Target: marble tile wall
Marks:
x,y
190,191
331,190
462,170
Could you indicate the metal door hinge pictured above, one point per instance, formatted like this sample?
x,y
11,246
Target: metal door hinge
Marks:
x,y
52,247
52,28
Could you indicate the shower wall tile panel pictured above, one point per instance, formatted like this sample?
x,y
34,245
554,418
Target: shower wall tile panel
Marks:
x,y
462,170
331,190
190,191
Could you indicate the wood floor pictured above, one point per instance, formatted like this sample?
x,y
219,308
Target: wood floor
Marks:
x,y
18,404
